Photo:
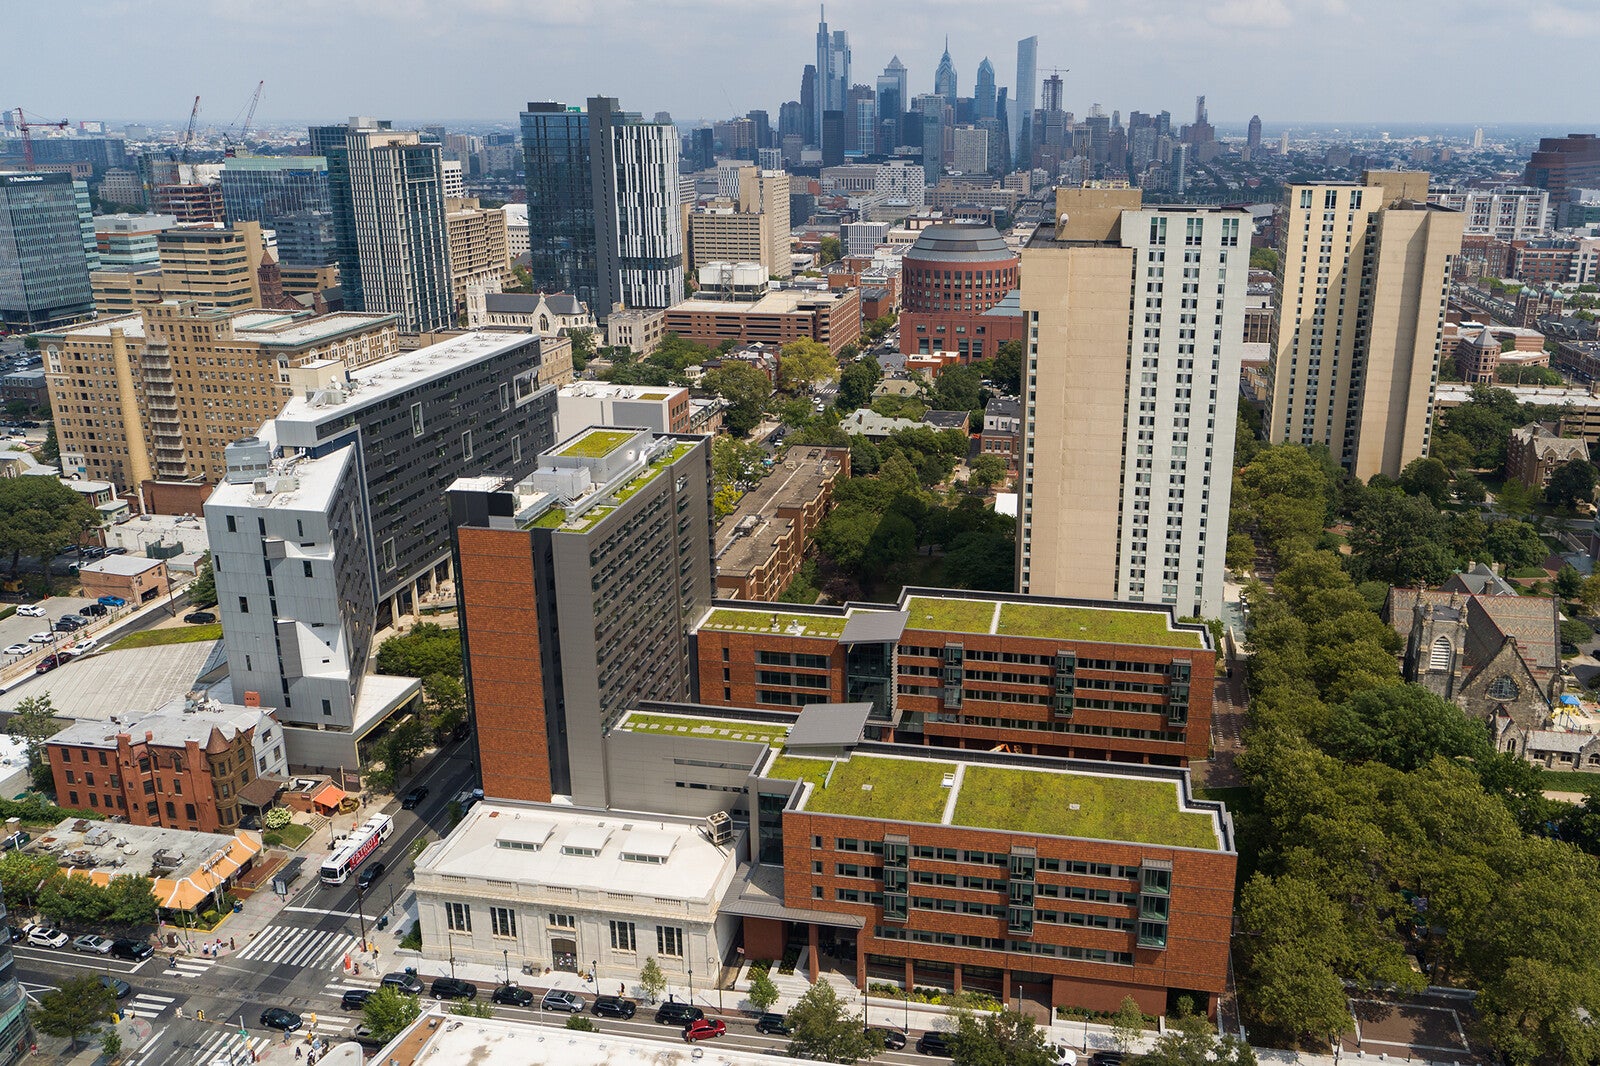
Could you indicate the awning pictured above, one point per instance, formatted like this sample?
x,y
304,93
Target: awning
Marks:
x,y
329,795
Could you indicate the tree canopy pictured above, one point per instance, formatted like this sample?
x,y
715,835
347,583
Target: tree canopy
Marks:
x,y
746,390
39,516
426,650
80,1004
1572,483
825,1028
804,363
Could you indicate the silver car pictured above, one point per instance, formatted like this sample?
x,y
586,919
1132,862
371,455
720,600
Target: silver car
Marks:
x,y
93,943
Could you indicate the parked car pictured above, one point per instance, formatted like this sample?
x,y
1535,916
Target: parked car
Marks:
x,y
112,601
46,937
200,618
119,989
50,662
451,988
19,649
1107,1058
42,638
932,1043
561,999
614,1007
93,942
370,873
354,999
86,645
513,996
411,800
704,1029
409,983
94,610
131,949
279,1018
773,1025
69,622
116,551
893,1039
91,552
31,610
674,1013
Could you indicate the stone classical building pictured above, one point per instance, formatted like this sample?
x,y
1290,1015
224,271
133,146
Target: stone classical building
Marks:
x,y
1534,451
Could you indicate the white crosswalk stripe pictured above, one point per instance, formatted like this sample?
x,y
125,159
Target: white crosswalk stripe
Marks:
x,y
180,967
148,1005
305,948
229,1046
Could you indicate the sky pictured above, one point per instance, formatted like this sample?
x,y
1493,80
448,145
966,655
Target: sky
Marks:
x,y
1291,61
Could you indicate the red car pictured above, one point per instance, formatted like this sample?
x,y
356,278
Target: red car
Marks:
x,y
703,1028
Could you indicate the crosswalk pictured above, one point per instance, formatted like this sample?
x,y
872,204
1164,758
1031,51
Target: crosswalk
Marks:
x,y
148,1005
188,967
227,1046
305,948
345,983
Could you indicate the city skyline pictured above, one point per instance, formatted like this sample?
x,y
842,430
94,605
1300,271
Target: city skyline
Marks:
x,y
1247,56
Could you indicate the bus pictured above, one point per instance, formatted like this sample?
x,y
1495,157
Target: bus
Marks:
x,y
354,851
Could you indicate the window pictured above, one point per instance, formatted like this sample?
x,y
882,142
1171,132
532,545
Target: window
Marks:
x,y
306,566
416,420
669,941
233,527
458,917
505,397
502,920
622,937
1440,654
244,605
562,921
389,562
1502,688
466,445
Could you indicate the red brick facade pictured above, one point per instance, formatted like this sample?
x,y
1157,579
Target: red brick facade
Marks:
x,y
190,787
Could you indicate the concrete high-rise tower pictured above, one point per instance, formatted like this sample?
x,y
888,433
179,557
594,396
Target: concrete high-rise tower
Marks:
x,y
892,99
1054,93
1253,136
944,79
1129,414
1022,105
983,91
1365,276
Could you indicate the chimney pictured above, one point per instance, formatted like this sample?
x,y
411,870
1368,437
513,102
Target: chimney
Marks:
x,y
148,736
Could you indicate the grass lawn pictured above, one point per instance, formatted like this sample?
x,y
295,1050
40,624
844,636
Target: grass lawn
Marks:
x,y
290,836
710,728
902,789
1110,808
761,622
1530,571
955,615
150,638
1092,623
597,443
1568,780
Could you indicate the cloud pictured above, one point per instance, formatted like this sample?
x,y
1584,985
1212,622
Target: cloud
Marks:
x,y
1250,14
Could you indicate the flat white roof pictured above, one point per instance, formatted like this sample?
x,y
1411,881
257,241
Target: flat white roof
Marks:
x,y
120,565
314,482
439,1039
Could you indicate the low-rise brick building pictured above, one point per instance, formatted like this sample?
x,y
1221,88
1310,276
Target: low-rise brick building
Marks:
x,y
759,547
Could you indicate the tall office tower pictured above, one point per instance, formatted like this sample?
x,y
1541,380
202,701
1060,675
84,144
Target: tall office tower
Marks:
x,y
1022,106
1054,93
452,179
892,100
833,138
596,568
1253,136
1201,116
1283,143
861,119
704,143
157,417
932,108
1124,494
763,134
561,222
1477,137
1365,276
791,121
331,523
972,150
228,268
770,159
944,79
279,192
386,188
480,253
808,106
1178,170
1564,163
749,226
983,92
638,220
833,70
44,265
1098,127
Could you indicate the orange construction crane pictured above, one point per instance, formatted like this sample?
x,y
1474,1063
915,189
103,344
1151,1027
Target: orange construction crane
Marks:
x,y
27,136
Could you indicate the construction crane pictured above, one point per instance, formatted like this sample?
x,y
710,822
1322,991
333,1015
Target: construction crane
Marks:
x,y
27,136
188,137
249,118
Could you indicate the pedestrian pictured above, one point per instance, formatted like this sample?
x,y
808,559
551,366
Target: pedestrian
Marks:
x,y
230,943
297,1053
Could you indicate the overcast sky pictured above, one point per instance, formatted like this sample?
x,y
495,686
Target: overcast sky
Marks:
x,y
1455,61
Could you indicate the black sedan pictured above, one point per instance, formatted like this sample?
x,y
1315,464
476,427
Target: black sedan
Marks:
x,y
413,799
355,999
893,1039
131,949
513,996
370,873
278,1018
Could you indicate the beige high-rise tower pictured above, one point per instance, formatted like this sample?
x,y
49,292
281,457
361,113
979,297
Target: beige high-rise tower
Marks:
x,y
1134,321
1364,277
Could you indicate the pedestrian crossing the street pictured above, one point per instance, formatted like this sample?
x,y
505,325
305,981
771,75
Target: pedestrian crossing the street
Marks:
x,y
182,967
148,1005
228,1046
285,945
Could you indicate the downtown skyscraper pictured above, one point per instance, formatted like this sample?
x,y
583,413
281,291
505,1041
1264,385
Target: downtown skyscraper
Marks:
x,y
833,71
1022,103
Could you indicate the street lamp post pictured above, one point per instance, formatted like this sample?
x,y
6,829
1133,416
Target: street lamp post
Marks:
x,y
594,974
450,938
507,953
361,895
691,986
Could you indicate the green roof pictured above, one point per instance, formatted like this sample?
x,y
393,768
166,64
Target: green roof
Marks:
x,y
759,620
556,517
596,443
1107,624
769,733
907,790
1139,810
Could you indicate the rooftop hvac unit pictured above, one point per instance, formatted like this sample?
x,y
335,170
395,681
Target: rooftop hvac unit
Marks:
x,y
167,859
719,828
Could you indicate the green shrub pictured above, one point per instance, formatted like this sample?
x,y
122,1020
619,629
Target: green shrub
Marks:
x,y
7,611
412,941
277,818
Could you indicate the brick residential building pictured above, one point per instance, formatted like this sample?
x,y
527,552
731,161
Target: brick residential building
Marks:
x,y
181,766
769,316
760,546
1534,451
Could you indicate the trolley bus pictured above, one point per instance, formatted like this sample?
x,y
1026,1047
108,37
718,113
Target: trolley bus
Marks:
x,y
354,851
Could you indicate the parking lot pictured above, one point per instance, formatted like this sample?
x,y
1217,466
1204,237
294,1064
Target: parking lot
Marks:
x,y
18,628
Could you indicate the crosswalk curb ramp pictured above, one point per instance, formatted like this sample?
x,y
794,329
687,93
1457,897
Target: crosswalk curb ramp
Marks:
x,y
227,1046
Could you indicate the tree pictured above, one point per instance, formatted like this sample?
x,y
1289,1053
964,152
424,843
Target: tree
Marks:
x,y
1516,544
1241,552
583,343
75,1008
1589,594
1127,1025
388,1011
1403,726
1575,631
473,1009
1569,582
111,1045
1006,370
39,516
652,979
857,382
957,388
446,699
988,470
1006,1038
1572,483
34,721
203,589
580,1023
725,501
829,250
825,1029
746,390
1264,259
427,650
803,363
51,448
1427,477
733,461
1514,499
1470,489
1190,1040
763,993
1400,539
408,740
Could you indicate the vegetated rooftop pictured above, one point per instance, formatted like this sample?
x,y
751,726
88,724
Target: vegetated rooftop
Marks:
x,y
1107,624
1108,807
596,443
772,734
866,786
556,517
759,620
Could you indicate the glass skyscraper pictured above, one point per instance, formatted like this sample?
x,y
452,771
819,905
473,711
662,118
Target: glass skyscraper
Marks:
x,y
561,235
267,189
44,265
